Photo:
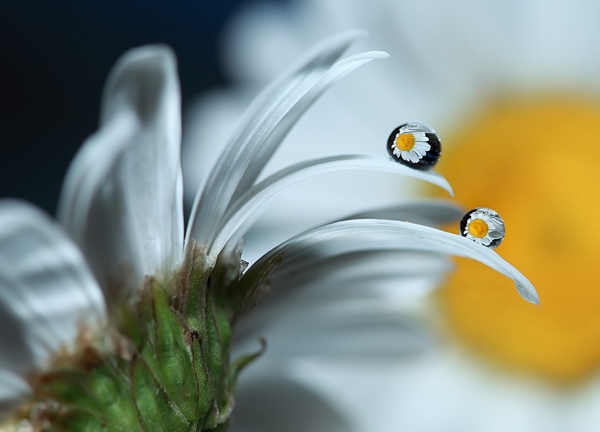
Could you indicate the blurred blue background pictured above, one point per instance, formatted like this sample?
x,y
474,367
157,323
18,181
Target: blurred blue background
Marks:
x,y
55,57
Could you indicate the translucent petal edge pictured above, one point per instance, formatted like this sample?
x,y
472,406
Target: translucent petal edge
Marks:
x,y
46,281
91,165
368,234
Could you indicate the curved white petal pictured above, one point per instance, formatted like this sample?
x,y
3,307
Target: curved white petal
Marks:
x,y
372,234
248,136
12,389
343,332
271,402
301,90
300,317
122,197
303,74
340,41
429,212
364,266
240,212
47,291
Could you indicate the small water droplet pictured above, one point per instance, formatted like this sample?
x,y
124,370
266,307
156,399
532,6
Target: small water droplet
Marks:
x,y
415,145
484,226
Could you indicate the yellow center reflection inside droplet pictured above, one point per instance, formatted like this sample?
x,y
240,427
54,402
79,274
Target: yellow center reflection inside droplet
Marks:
x,y
405,141
548,195
478,228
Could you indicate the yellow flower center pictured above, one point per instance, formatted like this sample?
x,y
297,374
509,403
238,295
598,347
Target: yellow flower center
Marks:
x,y
405,141
538,165
478,228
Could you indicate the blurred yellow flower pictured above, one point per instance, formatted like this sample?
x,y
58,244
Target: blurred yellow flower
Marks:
x,y
538,163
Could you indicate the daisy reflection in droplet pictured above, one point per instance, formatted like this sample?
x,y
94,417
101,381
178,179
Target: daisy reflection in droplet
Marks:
x,y
415,145
484,226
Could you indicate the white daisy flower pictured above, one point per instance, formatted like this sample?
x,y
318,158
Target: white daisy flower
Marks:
x,y
114,321
410,146
497,81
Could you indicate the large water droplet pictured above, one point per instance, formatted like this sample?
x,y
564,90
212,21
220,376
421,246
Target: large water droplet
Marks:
x,y
484,226
415,145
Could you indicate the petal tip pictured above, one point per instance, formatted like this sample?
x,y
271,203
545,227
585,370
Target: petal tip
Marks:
x,y
445,184
380,54
138,80
528,293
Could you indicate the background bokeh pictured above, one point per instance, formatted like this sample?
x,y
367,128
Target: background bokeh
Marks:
x,y
54,59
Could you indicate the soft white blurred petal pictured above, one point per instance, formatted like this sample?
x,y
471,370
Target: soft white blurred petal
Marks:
x,y
360,266
12,388
449,50
341,317
440,386
48,293
275,403
122,198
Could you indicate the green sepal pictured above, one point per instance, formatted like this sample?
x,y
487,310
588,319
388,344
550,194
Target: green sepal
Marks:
x,y
206,393
84,422
156,412
97,391
170,357
162,364
241,362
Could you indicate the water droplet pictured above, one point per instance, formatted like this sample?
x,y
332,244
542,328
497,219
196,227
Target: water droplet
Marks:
x,y
484,226
415,145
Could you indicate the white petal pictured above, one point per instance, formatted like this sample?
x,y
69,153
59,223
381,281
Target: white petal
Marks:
x,y
372,234
12,389
429,212
495,234
211,120
269,127
414,155
422,147
342,330
266,401
361,266
47,292
344,289
242,209
122,198
322,57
